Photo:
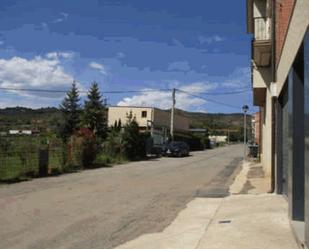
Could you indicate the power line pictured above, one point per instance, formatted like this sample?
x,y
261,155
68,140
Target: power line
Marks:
x,y
81,91
226,93
115,92
135,91
210,100
31,90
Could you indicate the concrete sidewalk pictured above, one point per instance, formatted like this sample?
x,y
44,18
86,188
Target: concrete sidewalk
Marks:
x,y
247,219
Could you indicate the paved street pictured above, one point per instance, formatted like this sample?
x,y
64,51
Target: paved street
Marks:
x,y
106,207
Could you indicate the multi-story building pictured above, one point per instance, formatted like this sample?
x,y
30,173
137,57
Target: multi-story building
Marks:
x,y
280,75
157,121
259,22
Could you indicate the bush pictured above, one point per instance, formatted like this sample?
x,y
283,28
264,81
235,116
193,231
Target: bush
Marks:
x,y
89,151
82,149
103,160
134,143
113,144
69,167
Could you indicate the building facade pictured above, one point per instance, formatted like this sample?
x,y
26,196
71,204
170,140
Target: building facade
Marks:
x,y
256,128
154,120
280,78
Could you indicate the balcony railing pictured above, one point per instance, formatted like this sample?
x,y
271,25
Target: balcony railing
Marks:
x,y
262,31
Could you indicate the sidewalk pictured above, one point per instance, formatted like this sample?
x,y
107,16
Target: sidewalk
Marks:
x,y
247,219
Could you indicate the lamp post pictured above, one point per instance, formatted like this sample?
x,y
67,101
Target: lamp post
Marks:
x,y
245,108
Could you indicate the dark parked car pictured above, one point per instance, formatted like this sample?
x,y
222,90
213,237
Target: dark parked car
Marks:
x,y
177,149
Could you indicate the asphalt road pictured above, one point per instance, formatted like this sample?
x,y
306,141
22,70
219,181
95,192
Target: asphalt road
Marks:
x,y
103,208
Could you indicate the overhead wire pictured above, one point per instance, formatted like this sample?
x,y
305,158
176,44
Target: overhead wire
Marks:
x,y
138,91
209,100
80,91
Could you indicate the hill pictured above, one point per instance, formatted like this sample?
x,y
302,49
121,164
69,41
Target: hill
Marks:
x,y
214,121
26,118
50,118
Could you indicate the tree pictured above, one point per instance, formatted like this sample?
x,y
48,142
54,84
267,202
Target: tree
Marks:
x,y
133,144
95,112
70,109
115,125
119,126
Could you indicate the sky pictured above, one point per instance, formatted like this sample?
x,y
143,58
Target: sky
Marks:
x,y
199,47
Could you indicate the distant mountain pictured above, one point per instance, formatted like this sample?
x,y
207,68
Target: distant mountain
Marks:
x,y
26,118
16,117
12,111
214,120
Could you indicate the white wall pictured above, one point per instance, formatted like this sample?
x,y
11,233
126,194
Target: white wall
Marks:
x,y
267,134
115,113
297,29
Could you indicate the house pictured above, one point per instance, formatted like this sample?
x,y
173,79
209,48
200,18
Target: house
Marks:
x,y
26,132
14,132
155,120
20,132
280,80
218,139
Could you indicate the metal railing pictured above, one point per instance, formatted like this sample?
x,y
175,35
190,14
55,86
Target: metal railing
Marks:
x,y
262,28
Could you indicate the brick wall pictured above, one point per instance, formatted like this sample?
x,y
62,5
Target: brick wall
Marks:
x,y
284,9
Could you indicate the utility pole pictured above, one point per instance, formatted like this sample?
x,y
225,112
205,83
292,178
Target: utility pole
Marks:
x,y
245,109
228,136
173,113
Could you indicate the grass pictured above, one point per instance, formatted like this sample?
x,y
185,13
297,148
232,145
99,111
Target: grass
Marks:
x,y
20,159
107,160
14,167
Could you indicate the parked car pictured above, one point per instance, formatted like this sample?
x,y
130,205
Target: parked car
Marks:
x,y
178,148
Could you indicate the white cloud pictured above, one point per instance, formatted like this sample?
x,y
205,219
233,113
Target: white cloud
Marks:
x,y
198,87
97,66
65,15
209,40
120,55
163,100
182,66
44,25
240,78
25,101
38,73
59,55
61,19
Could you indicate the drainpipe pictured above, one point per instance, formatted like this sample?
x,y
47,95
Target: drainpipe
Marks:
x,y
274,101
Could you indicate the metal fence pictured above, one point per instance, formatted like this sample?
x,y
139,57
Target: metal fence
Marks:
x,y
26,157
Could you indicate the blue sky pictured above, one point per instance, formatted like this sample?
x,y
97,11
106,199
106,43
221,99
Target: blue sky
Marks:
x,y
197,46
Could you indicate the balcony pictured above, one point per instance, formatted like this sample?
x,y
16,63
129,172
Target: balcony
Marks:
x,y
262,28
262,41
261,78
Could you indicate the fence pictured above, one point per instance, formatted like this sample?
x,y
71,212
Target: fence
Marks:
x,y
25,157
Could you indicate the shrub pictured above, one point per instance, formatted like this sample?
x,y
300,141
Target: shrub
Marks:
x,y
133,142
82,149
89,151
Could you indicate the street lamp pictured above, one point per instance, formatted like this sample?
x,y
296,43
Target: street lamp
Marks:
x,y
245,108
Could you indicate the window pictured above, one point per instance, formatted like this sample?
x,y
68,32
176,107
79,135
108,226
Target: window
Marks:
x,y
144,114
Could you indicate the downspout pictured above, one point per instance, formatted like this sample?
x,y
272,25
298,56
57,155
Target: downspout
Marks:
x,y
274,99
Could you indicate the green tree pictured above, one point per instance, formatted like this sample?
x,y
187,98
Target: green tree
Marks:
x,y
132,140
119,125
115,125
70,109
95,112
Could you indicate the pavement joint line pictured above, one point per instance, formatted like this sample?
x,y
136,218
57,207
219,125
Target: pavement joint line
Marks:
x,y
210,222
